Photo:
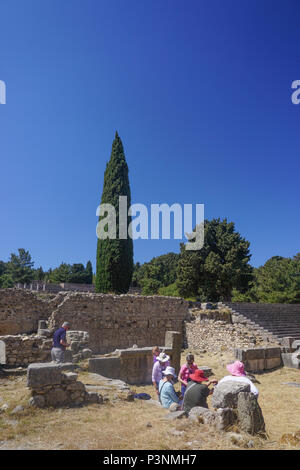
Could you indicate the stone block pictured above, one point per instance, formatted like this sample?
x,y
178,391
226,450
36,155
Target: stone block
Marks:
x,y
41,374
296,344
66,366
57,397
273,363
250,417
225,417
225,394
2,353
93,397
106,366
272,352
69,377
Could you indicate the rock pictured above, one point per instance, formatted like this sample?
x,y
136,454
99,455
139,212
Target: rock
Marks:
x,y
236,438
86,353
175,432
57,397
250,417
226,394
175,415
17,409
148,425
225,417
38,401
198,414
93,397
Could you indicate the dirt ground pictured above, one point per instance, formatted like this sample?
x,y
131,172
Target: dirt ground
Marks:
x,y
141,425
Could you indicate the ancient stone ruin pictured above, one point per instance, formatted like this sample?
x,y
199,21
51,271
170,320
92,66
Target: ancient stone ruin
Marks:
x,y
57,385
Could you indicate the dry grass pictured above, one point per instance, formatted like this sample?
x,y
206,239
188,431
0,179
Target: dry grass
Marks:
x,y
139,425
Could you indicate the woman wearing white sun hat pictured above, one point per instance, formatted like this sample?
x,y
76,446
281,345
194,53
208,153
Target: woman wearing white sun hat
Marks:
x,y
159,366
167,394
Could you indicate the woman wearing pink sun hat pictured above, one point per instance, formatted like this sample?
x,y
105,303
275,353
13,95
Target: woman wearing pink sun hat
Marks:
x,y
237,371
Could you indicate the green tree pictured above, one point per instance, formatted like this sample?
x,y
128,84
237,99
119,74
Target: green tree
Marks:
x,y
6,281
160,272
60,274
77,274
114,267
20,267
39,274
3,268
278,281
89,273
220,266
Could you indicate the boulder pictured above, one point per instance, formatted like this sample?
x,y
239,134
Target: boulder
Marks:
x,y
250,417
225,417
225,394
200,414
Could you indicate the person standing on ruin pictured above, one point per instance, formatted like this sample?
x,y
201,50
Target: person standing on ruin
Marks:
x,y
60,343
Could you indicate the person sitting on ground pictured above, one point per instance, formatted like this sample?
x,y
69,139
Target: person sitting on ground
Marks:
x,y
196,392
60,343
167,395
159,366
184,374
155,353
237,371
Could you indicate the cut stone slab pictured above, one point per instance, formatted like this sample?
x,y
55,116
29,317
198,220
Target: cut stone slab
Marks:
x,y
292,384
41,374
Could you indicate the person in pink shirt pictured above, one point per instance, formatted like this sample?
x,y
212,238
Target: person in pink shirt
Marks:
x,y
188,368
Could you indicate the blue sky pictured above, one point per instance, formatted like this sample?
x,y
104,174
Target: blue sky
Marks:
x,y
199,92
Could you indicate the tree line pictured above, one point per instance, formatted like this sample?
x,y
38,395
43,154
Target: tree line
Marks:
x,y
20,269
220,271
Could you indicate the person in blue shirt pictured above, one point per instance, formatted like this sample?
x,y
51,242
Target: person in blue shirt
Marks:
x,y
167,395
60,343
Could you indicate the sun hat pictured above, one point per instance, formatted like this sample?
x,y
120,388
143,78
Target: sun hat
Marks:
x,y
236,369
162,357
169,371
198,376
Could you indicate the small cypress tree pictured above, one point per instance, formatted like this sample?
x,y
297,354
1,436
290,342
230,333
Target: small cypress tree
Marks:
x,y
114,263
89,273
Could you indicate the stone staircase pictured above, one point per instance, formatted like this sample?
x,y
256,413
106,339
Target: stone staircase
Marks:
x,y
274,321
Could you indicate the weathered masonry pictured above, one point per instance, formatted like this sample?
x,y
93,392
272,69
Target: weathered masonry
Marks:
x,y
112,321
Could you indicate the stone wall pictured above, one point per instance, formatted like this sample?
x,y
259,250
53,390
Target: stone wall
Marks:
x,y
119,321
21,350
20,310
134,365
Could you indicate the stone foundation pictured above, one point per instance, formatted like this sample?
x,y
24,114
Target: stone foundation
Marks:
x,y
134,365
57,385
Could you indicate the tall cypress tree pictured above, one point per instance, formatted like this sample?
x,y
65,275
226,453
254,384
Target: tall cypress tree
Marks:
x,y
114,267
